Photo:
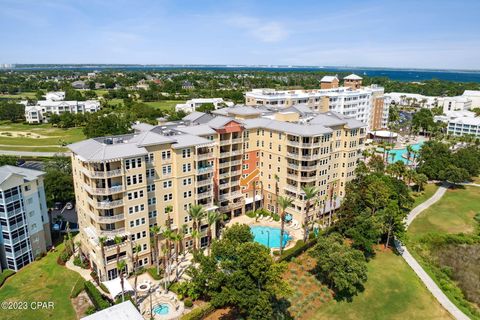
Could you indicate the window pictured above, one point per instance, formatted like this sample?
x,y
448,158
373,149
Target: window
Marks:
x,y
151,187
152,201
187,194
152,214
167,184
133,163
134,179
187,167
149,158
167,169
187,181
135,195
168,197
28,187
186,153
166,154
150,173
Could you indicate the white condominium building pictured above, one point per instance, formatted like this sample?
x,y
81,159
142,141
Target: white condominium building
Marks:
x,y
193,104
24,218
464,126
352,100
54,104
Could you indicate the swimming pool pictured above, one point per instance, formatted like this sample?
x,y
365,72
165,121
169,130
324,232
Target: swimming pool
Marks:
x,y
400,152
161,309
269,236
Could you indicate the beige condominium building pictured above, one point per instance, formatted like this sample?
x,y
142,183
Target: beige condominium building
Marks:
x,y
365,104
124,184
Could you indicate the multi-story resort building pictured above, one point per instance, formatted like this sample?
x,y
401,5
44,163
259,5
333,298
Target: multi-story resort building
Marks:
x,y
352,100
224,161
55,104
192,104
24,220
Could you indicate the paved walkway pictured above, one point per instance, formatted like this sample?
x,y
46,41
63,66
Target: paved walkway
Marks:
x,y
429,283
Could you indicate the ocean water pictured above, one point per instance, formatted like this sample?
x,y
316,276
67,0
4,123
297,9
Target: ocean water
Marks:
x,y
394,74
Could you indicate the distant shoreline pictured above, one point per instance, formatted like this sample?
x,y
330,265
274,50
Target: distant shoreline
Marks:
x,y
400,74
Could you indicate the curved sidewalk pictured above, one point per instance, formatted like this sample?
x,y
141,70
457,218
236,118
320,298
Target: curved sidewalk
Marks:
x,y
429,283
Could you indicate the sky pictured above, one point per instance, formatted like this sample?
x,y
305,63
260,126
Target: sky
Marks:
x,y
370,33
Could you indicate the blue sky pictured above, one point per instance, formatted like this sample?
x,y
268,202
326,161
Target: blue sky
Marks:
x,y
402,33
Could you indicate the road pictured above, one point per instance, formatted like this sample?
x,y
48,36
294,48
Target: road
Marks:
x,y
33,154
417,268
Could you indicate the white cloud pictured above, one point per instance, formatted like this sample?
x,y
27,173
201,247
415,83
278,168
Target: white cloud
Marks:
x,y
265,31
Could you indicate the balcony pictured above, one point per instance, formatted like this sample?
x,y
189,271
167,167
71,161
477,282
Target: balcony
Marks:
x,y
204,195
292,176
224,175
225,142
109,204
10,214
203,183
237,140
204,156
292,188
224,185
111,219
293,143
225,164
293,155
103,191
292,166
230,195
308,179
112,233
236,152
235,173
205,170
10,199
231,206
102,174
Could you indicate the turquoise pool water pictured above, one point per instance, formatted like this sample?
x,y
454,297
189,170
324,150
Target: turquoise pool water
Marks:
x,y
269,236
162,309
400,152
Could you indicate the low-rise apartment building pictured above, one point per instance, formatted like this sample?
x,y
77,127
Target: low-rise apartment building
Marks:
x,y
124,184
460,126
55,104
24,220
365,104
192,104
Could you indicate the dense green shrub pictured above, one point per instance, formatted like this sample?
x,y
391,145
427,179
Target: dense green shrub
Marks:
x,y
251,214
77,288
188,303
153,272
296,250
199,313
79,263
96,297
63,257
5,275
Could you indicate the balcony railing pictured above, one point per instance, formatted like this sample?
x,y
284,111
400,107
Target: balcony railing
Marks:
x,y
235,173
204,170
203,183
109,204
111,219
203,156
204,195
112,233
237,140
102,174
94,190
293,166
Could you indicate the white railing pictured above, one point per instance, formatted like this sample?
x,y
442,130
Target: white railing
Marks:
x,y
204,170
203,183
112,233
109,204
110,219
203,156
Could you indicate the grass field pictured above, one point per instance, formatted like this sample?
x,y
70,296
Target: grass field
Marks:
x,y
20,96
392,291
452,214
164,105
42,137
42,280
428,191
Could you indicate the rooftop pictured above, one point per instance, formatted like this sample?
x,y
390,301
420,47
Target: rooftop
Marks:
x,y
353,76
27,174
122,311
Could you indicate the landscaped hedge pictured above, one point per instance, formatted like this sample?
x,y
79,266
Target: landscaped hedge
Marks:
x,y
77,288
199,313
153,272
98,300
299,248
5,275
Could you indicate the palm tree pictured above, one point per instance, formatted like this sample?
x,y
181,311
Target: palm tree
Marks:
x,y
177,237
118,241
254,186
212,218
277,179
102,241
284,203
197,212
310,193
120,266
137,250
155,230
409,153
168,210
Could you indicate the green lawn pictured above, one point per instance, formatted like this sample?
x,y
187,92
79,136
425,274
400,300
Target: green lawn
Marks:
x,y
428,191
392,291
452,214
20,96
42,280
15,136
164,105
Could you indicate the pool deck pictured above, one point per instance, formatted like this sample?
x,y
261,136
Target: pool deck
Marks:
x,y
295,234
